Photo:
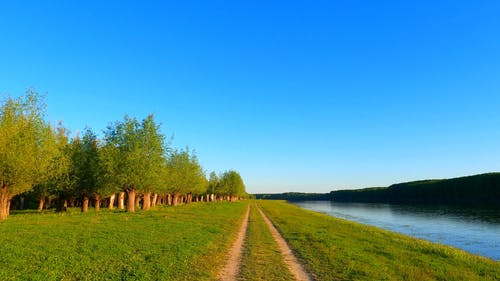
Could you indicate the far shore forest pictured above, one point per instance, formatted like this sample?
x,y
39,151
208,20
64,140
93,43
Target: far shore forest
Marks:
x,y
131,166
476,190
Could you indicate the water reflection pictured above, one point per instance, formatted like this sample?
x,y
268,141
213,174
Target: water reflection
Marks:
x,y
476,230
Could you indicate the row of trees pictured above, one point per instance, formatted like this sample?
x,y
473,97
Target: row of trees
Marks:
x,y
483,189
132,160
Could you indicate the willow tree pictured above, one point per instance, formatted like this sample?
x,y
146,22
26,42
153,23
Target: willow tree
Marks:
x,y
185,175
26,146
55,180
231,186
153,150
138,156
108,183
213,183
86,167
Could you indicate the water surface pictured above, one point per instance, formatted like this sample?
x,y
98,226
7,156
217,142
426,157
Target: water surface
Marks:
x,y
476,230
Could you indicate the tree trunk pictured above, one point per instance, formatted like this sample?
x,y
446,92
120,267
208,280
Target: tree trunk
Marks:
x,y
21,203
138,200
85,205
146,203
97,203
176,198
4,203
121,200
41,202
131,200
155,199
71,202
169,199
112,201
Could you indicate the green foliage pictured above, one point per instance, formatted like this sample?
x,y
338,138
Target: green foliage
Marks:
x,y
154,150
184,173
189,242
293,196
56,178
212,184
336,249
27,143
231,184
135,154
86,167
473,190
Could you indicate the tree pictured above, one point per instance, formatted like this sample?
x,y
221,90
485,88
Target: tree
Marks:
x,y
153,151
138,150
86,167
108,183
26,146
212,185
184,175
55,180
231,186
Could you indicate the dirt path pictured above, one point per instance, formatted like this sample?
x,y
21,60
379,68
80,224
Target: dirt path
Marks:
x,y
291,261
232,267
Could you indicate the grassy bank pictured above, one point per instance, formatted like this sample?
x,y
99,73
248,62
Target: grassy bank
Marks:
x,y
336,249
262,259
183,243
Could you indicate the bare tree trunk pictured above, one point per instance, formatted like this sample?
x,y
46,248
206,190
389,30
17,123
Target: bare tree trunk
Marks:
x,y
169,199
112,201
41,202
176,199
131,200
97,203
85,205
4,203
121,200
146,203
72,202
155,199
138,200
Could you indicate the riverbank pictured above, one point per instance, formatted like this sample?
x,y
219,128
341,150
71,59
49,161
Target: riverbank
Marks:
x,y
337,249
475,230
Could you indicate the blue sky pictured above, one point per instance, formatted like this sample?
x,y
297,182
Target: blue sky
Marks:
x,y
295,95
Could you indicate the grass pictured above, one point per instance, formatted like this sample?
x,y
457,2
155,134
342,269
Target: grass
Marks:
x,y
190,242
336,249
182,243
262,259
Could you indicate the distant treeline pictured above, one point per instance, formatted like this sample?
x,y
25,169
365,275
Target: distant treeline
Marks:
x,y
294,196
481,189
471,190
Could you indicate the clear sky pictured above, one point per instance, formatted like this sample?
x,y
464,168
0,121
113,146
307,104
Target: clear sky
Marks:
x,y
295,95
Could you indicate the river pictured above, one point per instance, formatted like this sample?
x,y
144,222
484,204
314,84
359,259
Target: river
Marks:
x,y
476,230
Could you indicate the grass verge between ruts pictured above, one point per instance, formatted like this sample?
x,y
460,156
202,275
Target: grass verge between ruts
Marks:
x,y
262,259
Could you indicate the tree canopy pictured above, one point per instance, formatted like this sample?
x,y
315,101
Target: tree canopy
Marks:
x,y
132,156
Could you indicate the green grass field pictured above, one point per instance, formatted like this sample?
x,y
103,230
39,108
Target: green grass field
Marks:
x,y
336,249
182,243
190,242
